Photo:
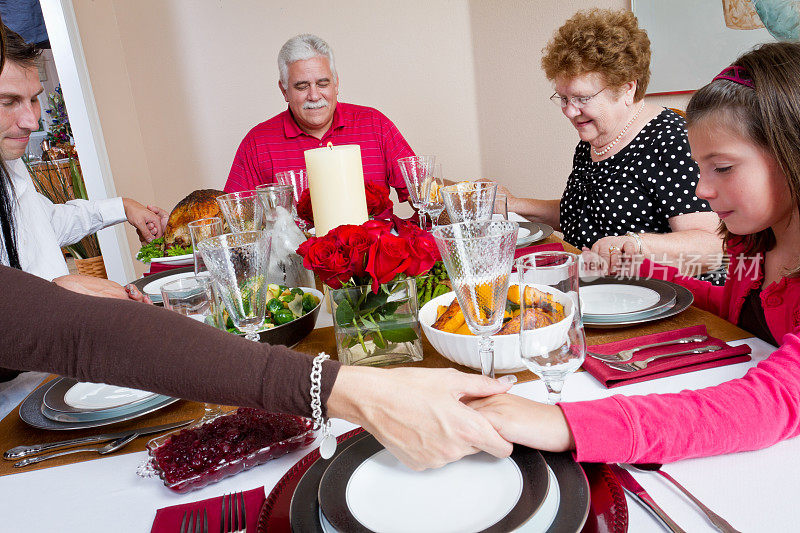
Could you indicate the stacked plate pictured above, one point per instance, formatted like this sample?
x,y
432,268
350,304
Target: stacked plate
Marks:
x,y
69,404
153,288
615,302
530,232
364,488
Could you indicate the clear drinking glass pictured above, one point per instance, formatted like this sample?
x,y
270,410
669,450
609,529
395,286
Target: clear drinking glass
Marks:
x,y
478,257
415,169
470,200
238,264
550,348
243,211
299,183
200,230
431,193
193,297
272,197
500,211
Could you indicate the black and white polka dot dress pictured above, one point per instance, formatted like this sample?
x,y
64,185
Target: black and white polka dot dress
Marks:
x,y
638,189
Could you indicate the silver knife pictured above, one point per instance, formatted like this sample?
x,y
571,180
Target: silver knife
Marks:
x,y
24,451
637,492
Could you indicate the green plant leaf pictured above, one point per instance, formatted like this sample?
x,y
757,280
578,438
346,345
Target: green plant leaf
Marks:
x,y
399,334
344,313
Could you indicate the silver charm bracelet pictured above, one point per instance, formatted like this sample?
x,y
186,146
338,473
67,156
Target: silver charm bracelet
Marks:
x,y
327,446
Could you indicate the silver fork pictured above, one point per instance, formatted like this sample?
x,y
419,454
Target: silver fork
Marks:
x,y
194,525
236,515
626,355
641,365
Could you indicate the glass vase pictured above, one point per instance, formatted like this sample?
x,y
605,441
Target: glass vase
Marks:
x,y
377,329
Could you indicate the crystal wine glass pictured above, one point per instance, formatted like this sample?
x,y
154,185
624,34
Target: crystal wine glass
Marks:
x,y
298,179
500,207
548,285
193,297
238,264
478,257
243,211
415,169
200,230
470,200
273,197
431,193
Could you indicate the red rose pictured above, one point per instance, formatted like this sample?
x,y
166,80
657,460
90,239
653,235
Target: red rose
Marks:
x,y
324,256
378,203
355,242
424,253
304,209
388,257
406,226
376,228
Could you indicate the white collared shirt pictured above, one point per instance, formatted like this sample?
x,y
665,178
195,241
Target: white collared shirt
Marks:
x,y
43,227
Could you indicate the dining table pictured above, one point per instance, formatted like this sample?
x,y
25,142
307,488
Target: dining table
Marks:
x,y
85,492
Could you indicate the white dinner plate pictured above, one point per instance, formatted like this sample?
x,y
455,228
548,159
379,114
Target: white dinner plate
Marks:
x,y
176,260
153,289
94,396
616,299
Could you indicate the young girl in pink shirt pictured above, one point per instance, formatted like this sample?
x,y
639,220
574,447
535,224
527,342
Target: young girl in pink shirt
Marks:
x,y
744,132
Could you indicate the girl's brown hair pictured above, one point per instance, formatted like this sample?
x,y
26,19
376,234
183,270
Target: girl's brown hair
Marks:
x,y
768,114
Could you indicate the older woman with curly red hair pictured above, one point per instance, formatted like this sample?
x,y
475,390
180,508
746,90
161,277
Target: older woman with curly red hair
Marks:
x,y
631,190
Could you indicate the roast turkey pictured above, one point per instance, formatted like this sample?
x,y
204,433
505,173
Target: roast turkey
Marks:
x,y
199,204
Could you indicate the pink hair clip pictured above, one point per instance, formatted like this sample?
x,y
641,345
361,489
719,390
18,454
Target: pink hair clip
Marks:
x,y
736,74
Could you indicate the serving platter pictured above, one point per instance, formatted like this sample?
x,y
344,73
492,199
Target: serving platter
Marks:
x,y
185,259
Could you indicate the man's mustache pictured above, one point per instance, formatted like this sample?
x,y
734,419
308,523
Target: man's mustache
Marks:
x,y
322,102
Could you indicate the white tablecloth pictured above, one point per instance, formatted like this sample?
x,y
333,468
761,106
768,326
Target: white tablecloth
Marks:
x,y
754,491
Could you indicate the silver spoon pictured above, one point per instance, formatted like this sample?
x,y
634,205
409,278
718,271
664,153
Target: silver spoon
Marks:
x,y
108,448
716,519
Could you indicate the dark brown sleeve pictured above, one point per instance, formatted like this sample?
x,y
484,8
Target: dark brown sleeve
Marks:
x,y
47,328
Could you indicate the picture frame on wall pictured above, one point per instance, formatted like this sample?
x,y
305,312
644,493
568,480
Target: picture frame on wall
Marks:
x,y
693,40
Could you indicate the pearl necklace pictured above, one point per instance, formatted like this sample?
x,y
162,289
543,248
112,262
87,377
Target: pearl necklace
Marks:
x,y
613,143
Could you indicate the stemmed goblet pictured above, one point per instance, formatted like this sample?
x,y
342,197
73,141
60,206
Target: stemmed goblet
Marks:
x,y
548,285
193,297
431,193
243,211
200,230
272,197
415,170
470,200
478,257
238,264
298,179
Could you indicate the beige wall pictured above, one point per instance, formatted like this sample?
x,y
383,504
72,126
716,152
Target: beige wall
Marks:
x,y
179,83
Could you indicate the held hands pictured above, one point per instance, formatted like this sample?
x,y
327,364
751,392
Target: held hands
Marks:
x,y
418,414
104,288
149,221
617,253
526,422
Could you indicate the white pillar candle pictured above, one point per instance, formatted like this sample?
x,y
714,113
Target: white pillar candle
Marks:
x,y
336,181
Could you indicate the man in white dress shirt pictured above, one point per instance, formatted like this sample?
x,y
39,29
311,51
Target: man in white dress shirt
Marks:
x,y
42,227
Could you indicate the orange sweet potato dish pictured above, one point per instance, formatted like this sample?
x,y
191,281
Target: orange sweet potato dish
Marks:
x,y
541,310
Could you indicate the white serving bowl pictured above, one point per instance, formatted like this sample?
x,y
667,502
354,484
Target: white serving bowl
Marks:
x,y
463,349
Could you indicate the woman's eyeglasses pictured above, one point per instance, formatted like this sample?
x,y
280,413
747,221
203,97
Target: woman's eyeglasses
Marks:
x,y
577,101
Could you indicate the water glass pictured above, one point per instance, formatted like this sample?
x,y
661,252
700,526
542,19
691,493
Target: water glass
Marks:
x,y
470,200
243,211
548,285
298,180
200,230
415,170
273,197
238,263
500,211
478,257
431,192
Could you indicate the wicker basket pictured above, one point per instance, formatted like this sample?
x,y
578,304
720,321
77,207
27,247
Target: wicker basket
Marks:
x,y
93,266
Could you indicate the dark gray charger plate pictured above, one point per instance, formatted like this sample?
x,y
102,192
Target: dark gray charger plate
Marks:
x,y
287,334
573,487
683,299
30,412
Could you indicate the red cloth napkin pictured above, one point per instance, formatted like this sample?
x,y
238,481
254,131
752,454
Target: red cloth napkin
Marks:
x,y
168,519
155,268
553,247
669,366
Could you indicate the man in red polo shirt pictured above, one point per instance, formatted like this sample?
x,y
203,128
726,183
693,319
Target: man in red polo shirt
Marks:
x,y
309,84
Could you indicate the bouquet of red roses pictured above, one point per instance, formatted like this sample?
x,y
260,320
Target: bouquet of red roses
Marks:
x,y
371,270
378,203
